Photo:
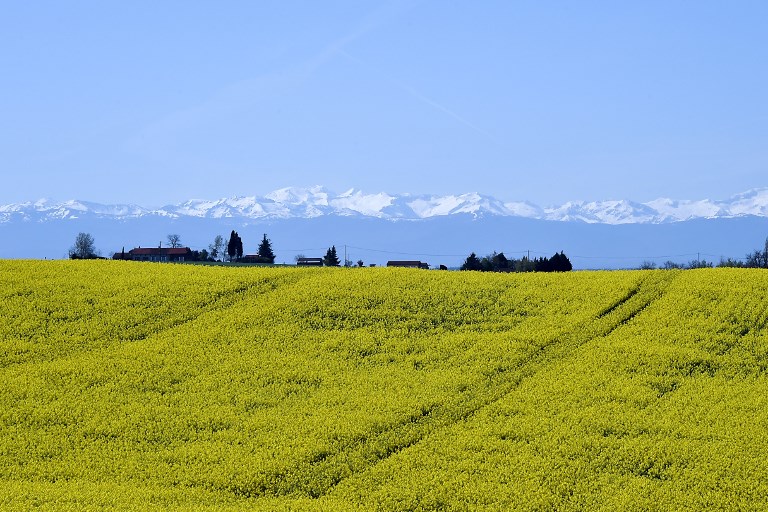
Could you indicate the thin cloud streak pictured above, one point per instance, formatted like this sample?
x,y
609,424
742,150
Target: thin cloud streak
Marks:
x,y
418,95
246,93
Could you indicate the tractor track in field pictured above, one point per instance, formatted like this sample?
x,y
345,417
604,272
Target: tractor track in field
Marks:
x,y
321,473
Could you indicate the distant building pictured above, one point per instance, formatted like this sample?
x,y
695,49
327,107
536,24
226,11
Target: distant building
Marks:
x,y
254,258
309,262
122,255
407,264
159,254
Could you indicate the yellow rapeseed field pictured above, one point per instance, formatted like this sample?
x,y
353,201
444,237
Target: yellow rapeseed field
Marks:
x,y
135,386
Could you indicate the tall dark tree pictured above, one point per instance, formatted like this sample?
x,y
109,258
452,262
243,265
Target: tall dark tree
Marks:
x,y
486,263
472,263
499,261
265,250
494,262
561,263
331,259
542,265
234,246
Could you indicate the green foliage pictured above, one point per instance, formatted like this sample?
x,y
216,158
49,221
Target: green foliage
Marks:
x,y
699,264
217,247
265,250
472,263
234,246
331,259
497,262
84,247
730,262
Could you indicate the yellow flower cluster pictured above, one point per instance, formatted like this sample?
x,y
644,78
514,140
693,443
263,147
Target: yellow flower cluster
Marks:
x,y
148,386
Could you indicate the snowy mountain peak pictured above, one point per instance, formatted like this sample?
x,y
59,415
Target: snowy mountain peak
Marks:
x,y
316,195
316,201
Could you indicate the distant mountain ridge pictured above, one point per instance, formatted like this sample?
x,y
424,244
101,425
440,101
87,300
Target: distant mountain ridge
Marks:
x,y
317,201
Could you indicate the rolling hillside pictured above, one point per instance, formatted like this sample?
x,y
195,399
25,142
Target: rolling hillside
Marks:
x,y
143,386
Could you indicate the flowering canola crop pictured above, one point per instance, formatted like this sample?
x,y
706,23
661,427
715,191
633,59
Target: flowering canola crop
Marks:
x,y
148,386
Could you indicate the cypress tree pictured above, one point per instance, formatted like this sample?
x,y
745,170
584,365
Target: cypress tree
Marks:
x,y
265,250
233,245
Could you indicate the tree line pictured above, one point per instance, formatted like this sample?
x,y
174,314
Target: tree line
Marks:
x,y
497,262
755,259
232,250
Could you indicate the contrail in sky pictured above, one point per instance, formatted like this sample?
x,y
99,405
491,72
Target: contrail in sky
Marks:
x,y
373,20
419,96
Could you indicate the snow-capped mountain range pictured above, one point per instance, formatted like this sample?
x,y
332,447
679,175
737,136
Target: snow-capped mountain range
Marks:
x,y
312,202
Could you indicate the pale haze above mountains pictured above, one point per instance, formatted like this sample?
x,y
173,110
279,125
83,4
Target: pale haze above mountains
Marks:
x,y
317,201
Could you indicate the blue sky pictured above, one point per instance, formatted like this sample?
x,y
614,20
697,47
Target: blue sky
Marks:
x,y
156,102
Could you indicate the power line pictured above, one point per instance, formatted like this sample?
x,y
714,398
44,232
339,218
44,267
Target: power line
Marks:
x,y
302,250
407,253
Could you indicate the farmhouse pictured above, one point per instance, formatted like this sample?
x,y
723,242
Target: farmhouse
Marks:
x,y
311,262
162,254
407,264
